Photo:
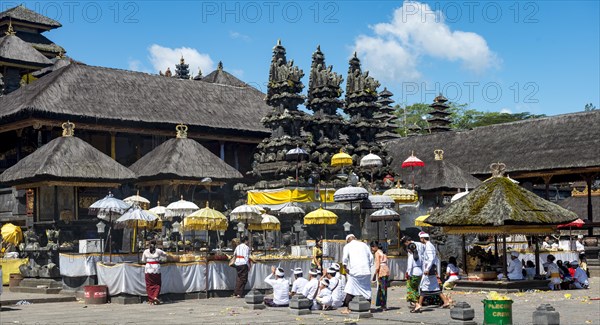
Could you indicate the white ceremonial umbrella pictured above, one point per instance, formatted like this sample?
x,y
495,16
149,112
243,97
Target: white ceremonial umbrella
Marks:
x,y
296,154
378,202
181,208
246,213
159,210
137,200
106,209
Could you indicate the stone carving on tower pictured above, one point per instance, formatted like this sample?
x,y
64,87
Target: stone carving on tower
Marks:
x,y
326,125
285,120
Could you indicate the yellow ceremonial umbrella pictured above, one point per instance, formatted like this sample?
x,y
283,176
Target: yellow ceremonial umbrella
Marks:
x,y
11,234
321,217
341,159
402,195
420,221
205,219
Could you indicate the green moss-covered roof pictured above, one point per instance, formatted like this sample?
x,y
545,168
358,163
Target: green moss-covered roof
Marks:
x,y
499,202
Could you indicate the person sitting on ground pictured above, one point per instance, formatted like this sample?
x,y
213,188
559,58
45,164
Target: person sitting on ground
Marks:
x,y
280,286
529,270
515,267
571,269
312,287
552,273
299,282
324,298
334,284
580,279
452,274
565,276
338,294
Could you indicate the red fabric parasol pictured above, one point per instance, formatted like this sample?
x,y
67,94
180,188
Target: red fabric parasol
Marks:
x,y
413,161
573,224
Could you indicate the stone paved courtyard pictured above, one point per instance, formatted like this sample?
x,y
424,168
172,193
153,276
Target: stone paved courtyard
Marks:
x,y
576,309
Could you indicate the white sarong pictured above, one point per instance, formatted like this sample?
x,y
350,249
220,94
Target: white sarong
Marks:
x,y
359,286
429,286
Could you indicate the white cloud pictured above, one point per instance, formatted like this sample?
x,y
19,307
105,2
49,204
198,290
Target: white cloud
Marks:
x,y
162,57
414,32
238,35
238,73
506,111
137,65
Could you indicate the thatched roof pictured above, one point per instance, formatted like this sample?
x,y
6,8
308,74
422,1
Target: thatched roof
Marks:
x,y
557,142
40,42
500,202
22,14
578,204
443,175
66,159
223,77
57,64
182,159
15,50
111,96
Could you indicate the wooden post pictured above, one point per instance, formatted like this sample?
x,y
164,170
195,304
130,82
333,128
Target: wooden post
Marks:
x,y
504,267
546,179
496,245
588,182
464,254
537,255
113,145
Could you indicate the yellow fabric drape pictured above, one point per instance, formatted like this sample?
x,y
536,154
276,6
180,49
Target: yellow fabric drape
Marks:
x,y
11,265
284,195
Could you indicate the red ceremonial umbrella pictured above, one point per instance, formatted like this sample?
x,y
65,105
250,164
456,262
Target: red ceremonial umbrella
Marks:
x,y
577,224
413,162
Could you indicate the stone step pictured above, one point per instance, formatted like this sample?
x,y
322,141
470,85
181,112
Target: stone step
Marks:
x,y
35,282
52,291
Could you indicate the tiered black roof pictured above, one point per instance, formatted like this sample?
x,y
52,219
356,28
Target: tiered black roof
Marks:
x,y
439,121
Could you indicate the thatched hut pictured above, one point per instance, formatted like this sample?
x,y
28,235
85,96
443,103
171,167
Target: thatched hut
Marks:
x,y
64,177
500,207
181,161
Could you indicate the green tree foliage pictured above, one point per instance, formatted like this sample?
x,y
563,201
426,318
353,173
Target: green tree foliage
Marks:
x,y
589,107
463,117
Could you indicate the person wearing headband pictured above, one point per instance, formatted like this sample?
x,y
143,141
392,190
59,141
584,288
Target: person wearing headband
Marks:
x,y
242,264
358,260
152,257
515,267
281,287
335,285
324,298
312,287
299,282
429,285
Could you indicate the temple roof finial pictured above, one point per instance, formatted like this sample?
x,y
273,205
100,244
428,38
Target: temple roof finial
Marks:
x,y
68,129
10,31
220,65
279,41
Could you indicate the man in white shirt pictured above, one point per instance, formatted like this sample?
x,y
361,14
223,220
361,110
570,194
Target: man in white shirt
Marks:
x,y
281,287
324,297
580,278
342,284
358,260
429,285
579,244
299,282
242,266
515,267
337,295
312,287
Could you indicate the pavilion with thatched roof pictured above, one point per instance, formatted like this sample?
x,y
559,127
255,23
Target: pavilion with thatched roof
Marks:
x,y
182,161
59,171
500,207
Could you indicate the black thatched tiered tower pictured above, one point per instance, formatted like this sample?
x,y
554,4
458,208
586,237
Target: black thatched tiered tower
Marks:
x,y
361,106
323,99
285,121
388,121
182,70
439,121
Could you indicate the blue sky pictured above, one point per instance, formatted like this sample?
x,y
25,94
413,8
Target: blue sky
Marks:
x,y
536,56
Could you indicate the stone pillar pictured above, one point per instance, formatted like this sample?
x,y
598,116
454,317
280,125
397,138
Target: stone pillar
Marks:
x,y
545,314
300,305
255,300
222,150
361,306
113,145
462,313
